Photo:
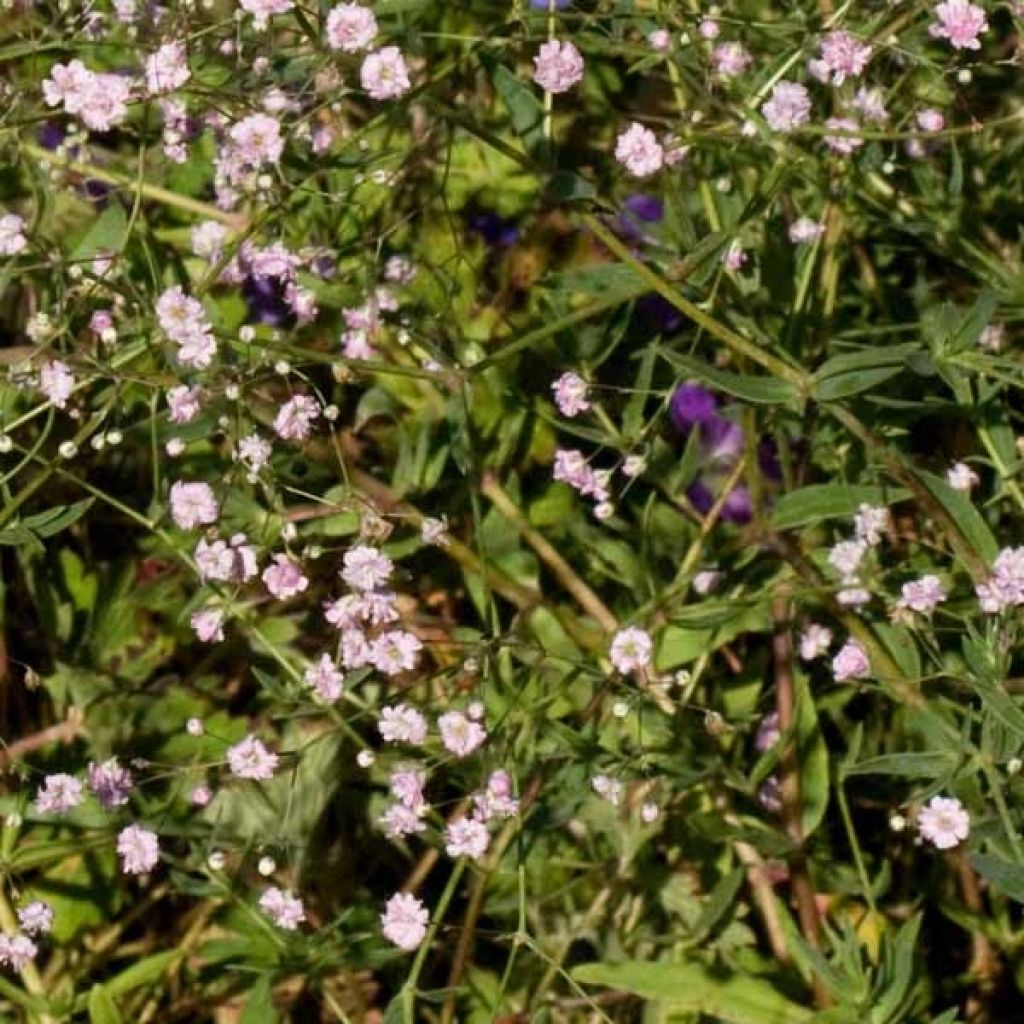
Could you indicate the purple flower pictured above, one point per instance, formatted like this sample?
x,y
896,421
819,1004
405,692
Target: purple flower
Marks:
x,y
645,207
265,301
691,404
736,508
494,230
721,439
659,314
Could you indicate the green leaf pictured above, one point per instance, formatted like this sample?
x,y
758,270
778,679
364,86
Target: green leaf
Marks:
x,y
53,520
733,998
259,1007
925,764
855,372
830,501
719,902
523,104
813,755
1007,877
107,233
141,973
963,512
999,703
102,1008
760,390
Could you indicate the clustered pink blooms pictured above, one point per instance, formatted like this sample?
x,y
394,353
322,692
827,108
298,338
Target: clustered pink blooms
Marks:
x,y
17,951
842,56
56,382
960,22
59,793
922,595
1004,588
851,662
638,150
183,319
283,578
631,650
250,759
788,107
558,66
193,504
384,74
283,908
98,100
232,561
167,69
572,468
570,392
944,822
404,921
139,850
350,28
36,918
12,234
731,59
111,783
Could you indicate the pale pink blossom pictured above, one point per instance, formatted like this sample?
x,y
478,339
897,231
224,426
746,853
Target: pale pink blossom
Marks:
x,y
402,724
848,141
250,759
384,74
944,822
814,641
788,107
184,403
638,150
284,578
404,921
193,504
111,783
138,848
350,27
17,951
851,662
805,230
844,55
870,104
459,734
930,120
324,679
496,800
608,789
59,794
631,649
466,837
659,39
366,568
922,595
257,139
558,66
294,420
12,234
395,651
208,624
959,21
962,478
36,918
570,392
871,522
57,382
167,69
284,909
730,59
263,10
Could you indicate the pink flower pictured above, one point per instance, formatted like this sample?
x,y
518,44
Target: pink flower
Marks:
x,y
384,74
404,921
257,139
496,800
58,794
208,624
962,478
350,27
844,55
930,120
730,59
851,662
659,39
263,10
402,724
459,734
12,237
193,504
399,820
250,759
559,66
768,732
366,568
167,69
395,651
709,29
638,150
184,403
284,578
36,918
324,679
17,951
294,420
571,394
788,107
110,782
466,837
734,258
407,786
284,909
139,850
959,21
944,822
870,104
848,141
57,382
814,641
631,649
922,595
805,230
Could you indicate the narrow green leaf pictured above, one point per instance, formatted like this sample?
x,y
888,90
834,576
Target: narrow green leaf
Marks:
x,y
719,902
964,513
813,755
1007,877
102,1008
760,390
830,501
141,973
925,764
524,105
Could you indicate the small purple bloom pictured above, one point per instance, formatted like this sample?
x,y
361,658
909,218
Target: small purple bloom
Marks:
x,y
691,404
721,439
646,208
494,230
659,314
265,301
